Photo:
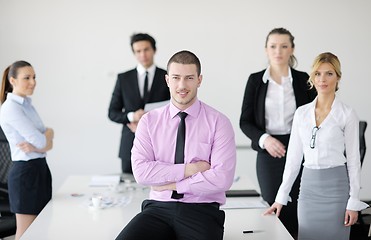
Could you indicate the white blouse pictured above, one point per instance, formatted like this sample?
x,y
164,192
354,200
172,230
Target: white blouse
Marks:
x,y
324,148
280,106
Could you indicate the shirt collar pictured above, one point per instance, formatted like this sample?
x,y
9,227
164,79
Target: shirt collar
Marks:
x,y
17,98
334,105
193,110
267,75
335,108
151,70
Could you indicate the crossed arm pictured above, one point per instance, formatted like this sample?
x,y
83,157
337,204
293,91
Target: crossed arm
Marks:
x,y
28,147
190,169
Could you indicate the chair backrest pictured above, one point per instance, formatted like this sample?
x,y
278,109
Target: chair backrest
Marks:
x,y
5,158
362,139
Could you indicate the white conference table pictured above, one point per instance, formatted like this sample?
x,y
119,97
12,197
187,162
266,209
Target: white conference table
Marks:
x,y
69,216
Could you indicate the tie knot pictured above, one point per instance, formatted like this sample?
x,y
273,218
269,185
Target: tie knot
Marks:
x,y
182,115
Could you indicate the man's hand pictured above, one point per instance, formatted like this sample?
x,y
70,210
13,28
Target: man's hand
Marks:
x,y
138,115
193,168
190,169
132,126
170,186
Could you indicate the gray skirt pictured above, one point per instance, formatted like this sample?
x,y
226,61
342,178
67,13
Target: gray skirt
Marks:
x,y
322,202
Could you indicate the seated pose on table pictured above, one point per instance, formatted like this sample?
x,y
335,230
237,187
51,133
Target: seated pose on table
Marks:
x,y
326,132
29,179
186,152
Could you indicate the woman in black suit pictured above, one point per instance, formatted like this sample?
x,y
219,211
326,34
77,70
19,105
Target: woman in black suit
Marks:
x,y
270,100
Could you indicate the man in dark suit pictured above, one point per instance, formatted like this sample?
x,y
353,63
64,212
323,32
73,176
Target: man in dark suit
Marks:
x,y
134,88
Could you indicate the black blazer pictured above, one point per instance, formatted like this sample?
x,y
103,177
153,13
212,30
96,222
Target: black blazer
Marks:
x,y
252,119
126,98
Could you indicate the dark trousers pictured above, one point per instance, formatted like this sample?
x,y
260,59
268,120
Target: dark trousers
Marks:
x,y
175,220
269,173
126,145
126,165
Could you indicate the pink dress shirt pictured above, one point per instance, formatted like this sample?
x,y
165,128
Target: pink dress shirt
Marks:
x,y
209,137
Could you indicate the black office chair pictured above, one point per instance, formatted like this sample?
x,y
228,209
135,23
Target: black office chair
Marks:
x,y
7,219
362,140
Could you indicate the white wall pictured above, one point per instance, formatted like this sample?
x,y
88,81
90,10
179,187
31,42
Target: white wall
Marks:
x,y
78,47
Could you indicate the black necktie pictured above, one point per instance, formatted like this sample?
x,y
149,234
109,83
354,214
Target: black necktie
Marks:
x,y
179,148
145,89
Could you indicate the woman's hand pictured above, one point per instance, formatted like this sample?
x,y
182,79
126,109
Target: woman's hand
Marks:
x,y
274,147
350,217
275,208
26,147
49,133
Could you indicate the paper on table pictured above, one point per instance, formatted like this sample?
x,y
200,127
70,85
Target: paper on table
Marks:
x,y
104,180
151,106
108,202
244,203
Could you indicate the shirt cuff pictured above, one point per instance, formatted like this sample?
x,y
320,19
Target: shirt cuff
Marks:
x,y
356,205
130,116
184,186
282,198
262,139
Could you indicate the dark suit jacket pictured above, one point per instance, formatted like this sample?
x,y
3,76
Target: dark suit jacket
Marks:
x,y
252,120
126,98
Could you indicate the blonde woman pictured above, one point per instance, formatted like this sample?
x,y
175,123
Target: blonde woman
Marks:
x,y
323,131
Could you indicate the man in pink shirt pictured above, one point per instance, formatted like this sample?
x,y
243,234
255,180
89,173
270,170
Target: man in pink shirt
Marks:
x,y
185,194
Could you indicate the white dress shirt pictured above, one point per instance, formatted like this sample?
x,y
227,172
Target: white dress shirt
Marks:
x,y
338,133
141,77
280,106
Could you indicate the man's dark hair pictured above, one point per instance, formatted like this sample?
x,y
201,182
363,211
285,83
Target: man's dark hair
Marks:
x,y
185,57
142,37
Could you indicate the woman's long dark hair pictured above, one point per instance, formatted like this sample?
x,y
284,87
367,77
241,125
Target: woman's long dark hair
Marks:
x,y
11,71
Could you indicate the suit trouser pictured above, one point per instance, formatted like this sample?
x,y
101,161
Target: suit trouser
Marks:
x,y
175,220
125,151
126,165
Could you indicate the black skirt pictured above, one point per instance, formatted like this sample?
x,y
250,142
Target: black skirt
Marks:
x,y
30,186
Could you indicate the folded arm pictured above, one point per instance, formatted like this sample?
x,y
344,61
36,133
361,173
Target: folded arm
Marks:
x,y
190,169
28,147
